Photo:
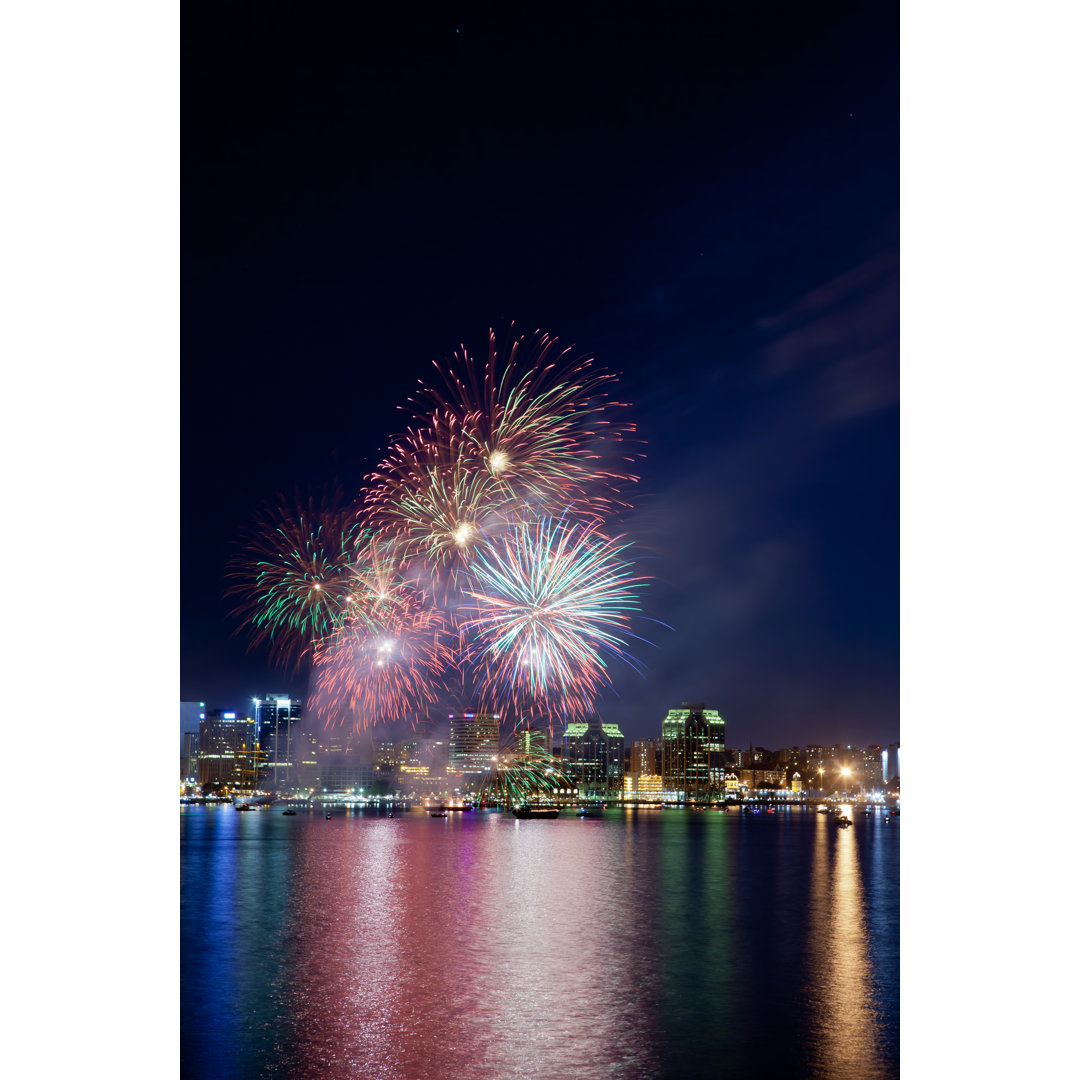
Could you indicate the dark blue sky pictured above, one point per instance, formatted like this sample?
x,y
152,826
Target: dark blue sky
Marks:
x,y
709,203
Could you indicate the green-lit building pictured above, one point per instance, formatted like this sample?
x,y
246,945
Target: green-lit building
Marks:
x,y
692,752
593,757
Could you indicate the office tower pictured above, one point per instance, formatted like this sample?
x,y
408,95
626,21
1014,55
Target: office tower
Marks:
x,y
593,756
277,720
474,741
692,751
227,751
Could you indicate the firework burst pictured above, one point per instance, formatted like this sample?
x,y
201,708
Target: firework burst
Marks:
x,y
384,664
551,605
293,574
538,422
431,500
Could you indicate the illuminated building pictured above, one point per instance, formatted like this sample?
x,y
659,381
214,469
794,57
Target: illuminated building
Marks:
x,y
386,759
871,768
277,719
692,751
228,753
643,787
645,756
593,756
890,762
474,741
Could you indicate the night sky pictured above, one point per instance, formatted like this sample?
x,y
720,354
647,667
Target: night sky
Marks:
x,y
708,203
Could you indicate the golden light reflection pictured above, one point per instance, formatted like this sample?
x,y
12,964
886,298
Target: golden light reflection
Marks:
x,y
846,1022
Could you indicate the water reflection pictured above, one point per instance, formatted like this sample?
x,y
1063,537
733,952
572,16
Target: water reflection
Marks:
x,y
648,945
847,1034
524,966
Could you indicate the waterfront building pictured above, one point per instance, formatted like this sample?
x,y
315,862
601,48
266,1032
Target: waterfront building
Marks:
x,y
753,779
692,751
474,741
643,787
228,751
593,756
277,721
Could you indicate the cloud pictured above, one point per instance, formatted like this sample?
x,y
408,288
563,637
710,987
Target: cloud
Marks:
x,y
838,343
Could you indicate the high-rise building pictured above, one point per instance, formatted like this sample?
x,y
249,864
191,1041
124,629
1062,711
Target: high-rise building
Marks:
x,y
228,751
645,757
692,751
277,720
593,756
474,741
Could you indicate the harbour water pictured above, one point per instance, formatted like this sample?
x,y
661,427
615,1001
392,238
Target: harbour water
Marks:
x,y
642,944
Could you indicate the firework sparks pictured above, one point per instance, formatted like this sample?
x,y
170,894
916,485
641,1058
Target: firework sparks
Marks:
x,y
293,576
518,776
538,422
384,663
552,604
432,499
456,530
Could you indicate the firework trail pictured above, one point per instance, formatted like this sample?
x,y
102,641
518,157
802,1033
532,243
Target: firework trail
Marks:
x,y
551,604
292,576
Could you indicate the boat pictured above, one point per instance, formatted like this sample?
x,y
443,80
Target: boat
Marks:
x,y
289,813
328,816
247,806
438,813
536,811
